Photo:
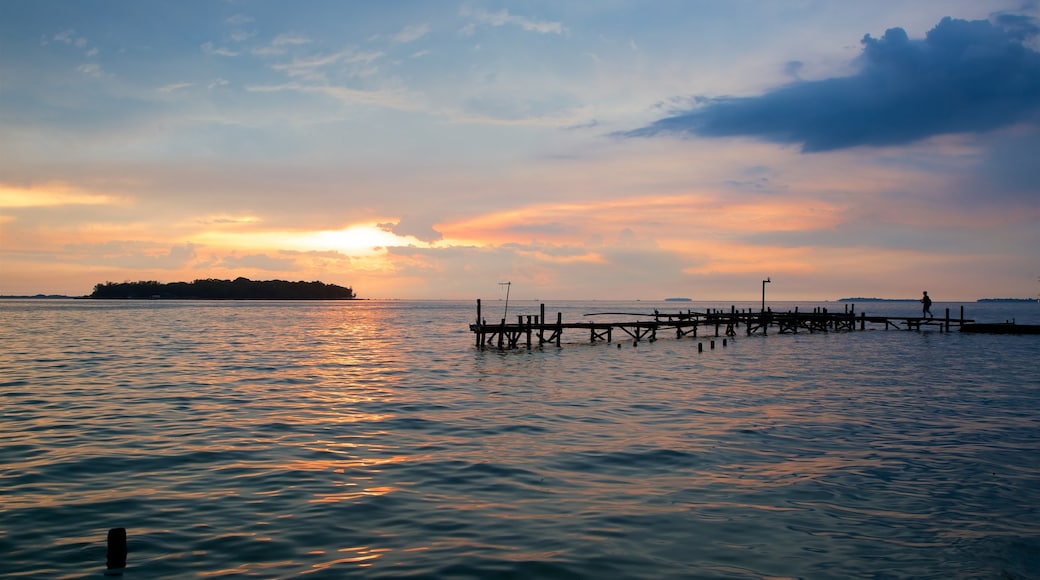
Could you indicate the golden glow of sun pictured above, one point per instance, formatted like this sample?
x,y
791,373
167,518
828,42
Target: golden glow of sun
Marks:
x,y
353,240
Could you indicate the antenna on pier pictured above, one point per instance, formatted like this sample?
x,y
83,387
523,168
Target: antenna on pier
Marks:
x,y
507,285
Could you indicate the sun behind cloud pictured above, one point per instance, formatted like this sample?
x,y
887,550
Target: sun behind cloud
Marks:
x,y
356,239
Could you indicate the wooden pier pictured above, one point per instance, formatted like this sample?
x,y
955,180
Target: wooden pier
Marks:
x,y
534,330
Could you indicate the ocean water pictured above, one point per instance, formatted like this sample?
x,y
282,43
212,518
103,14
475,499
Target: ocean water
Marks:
x,y
371,439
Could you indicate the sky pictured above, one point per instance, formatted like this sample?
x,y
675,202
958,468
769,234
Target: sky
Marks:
x,y
606,150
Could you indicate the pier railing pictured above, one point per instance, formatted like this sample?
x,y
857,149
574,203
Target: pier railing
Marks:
x,y
532,330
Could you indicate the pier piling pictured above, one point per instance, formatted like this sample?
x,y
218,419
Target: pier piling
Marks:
x,y
115,560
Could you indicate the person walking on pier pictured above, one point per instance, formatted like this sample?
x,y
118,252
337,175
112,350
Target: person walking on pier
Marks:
x,y
926,306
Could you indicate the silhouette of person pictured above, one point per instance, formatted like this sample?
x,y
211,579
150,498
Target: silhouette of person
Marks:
x,y
926,305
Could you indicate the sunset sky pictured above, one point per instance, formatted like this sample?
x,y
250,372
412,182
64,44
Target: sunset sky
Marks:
x,y
580,149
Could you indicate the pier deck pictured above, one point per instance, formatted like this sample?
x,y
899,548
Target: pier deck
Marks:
x,y
535,330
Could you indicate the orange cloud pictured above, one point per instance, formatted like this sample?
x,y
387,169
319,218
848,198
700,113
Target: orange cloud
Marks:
x,y
50,194
676,218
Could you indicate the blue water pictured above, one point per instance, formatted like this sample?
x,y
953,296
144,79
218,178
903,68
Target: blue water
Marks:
x,y
371,439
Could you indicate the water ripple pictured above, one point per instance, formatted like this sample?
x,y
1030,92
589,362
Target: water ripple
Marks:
x,y
371,440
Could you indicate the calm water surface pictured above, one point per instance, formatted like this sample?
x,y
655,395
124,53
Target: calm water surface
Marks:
x,y
372,440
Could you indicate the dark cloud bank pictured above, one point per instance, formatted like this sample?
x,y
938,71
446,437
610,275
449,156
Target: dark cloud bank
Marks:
x,y
964,76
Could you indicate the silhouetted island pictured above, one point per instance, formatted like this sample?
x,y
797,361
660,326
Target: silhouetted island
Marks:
x,y
211,289
1007,300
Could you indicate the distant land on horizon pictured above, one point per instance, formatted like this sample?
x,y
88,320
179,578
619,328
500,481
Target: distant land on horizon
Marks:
x,y
918,300
1008,300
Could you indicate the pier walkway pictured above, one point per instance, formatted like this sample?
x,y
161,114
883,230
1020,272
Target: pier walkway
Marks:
x,y
535,330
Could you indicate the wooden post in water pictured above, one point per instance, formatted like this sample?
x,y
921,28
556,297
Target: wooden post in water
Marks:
x,y
116,556
559,327
480,327
541,329
947,326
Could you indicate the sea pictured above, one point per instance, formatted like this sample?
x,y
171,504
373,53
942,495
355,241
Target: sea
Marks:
x,y
374,439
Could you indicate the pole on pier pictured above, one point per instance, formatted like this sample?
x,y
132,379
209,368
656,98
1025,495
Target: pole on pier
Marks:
x,y
480,328
116,556
507,285
559,327
764,282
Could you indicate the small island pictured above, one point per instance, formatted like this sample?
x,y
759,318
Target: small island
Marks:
x,y
1008,300
212,289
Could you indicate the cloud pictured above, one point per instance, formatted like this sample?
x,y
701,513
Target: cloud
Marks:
x,y
541,269
963,77
229,220
411,33
279,45
258,262
418,228
50,194
290,39
379,98
503,17
91,69
239,19
210,48
313,67
69,37
135,255
174,87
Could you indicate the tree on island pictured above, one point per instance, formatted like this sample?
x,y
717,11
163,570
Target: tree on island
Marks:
x,y
213,289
